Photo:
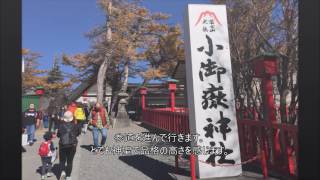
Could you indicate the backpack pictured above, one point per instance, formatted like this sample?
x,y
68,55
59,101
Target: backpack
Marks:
x,y
68,137
79,114
44,149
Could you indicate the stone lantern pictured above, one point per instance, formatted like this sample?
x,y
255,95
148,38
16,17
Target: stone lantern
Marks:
x,y
122,116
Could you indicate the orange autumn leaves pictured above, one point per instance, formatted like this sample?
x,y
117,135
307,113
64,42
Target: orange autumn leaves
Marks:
x,y
33,77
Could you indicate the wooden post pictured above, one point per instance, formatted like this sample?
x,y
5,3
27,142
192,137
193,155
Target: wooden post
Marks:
x,y
266,66
143,92
172,88
193,166
268,98
264,165
263,153
177,163
172,100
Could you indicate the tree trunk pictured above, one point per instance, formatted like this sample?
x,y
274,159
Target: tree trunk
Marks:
x,y
104,66
101,79
124,87
283,106
292,107
284,91
114,102
115,91
126,77
108,90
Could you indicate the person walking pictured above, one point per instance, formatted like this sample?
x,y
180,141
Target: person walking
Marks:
x,y
45,120
31,121
99,119
53,121
87,113
61,112
46,151
67,134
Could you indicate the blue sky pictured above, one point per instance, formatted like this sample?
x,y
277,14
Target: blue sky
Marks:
x,y
51,27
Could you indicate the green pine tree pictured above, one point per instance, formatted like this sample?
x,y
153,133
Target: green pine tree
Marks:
x,y
55,76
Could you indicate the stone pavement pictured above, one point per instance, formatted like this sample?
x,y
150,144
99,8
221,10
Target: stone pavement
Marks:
x,y
90,165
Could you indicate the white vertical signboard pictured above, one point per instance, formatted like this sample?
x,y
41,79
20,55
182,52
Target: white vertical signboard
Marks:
x,y
211,102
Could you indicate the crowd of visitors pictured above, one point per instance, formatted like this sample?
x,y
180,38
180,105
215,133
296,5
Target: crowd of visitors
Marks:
x,y
66,123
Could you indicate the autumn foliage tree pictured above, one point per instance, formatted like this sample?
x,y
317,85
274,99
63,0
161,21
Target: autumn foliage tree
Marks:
x,y
32,77
132,35
257,27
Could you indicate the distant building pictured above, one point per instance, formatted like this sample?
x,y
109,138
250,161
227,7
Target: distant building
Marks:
x,y
31,97
157,95
87,92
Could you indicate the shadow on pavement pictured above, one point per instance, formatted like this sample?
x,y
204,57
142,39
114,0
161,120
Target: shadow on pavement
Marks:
x,y
152,168
87,147
55,170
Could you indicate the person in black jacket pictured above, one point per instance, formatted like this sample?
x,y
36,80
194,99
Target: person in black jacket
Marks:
x,y
67,134
31,121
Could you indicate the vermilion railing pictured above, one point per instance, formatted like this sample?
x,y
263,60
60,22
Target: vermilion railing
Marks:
x,y
164,119
254,136
257,135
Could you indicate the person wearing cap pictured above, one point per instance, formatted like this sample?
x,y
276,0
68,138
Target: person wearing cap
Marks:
x,y
99,119
67,134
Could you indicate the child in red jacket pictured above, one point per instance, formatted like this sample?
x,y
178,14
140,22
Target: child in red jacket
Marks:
x,y
46,151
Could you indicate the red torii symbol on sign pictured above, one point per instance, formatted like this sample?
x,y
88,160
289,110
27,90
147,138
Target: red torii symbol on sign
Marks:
x,y
205,13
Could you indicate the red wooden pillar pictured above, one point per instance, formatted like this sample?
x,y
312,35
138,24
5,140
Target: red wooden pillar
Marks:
x,y
172,85
143,92
172,88
193,166
269,103
265,67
